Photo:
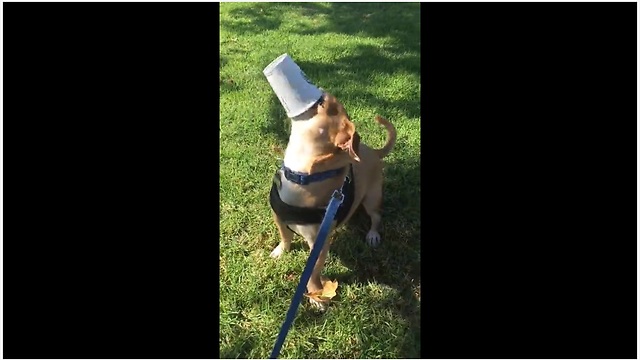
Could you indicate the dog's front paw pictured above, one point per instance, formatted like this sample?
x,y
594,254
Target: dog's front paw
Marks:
x,y
318,305
277,252
373,238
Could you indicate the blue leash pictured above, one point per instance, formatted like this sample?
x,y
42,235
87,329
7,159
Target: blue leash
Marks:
x,y
329,215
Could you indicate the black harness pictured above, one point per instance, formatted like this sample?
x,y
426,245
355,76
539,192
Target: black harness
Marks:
x,y
303,216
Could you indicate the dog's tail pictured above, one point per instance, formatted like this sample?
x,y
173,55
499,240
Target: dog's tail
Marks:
x,y
391,137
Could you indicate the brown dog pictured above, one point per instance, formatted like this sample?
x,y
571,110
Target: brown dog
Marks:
x,y
322,140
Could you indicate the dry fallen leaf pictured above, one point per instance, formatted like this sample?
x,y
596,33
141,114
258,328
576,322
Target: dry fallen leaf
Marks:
x,y
277,149
327,292
329,288
317,296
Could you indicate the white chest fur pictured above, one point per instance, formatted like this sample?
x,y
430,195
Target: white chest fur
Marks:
x,y
299,153
299,150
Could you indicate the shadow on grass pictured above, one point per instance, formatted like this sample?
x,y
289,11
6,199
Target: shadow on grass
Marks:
x,y
348,77
227,83
399,20
279,124
266,16
396,263
242,348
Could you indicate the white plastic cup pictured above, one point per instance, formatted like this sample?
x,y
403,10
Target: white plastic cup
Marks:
x,y
296,93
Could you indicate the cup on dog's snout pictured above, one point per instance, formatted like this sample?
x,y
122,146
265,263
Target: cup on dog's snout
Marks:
x,y
296,93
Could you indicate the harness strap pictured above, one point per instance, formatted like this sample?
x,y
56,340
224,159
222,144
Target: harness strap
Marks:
x,y
301,178
302,215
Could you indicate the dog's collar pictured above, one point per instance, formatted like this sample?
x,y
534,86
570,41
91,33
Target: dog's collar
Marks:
x,y
301,178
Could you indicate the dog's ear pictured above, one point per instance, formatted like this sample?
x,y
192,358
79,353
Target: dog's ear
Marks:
x,y
348,139
328,106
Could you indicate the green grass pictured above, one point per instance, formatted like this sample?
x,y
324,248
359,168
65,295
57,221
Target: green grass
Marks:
x,y
368,55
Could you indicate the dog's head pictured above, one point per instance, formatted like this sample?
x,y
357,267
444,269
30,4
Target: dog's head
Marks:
x,y
342,134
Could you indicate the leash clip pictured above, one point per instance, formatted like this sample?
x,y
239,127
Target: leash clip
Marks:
x,y
338,195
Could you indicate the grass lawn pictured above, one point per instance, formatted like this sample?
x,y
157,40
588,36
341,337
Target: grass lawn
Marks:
x,y
368,55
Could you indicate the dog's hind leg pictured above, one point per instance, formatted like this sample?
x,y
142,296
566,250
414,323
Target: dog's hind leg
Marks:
x,y
372,204
286,235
